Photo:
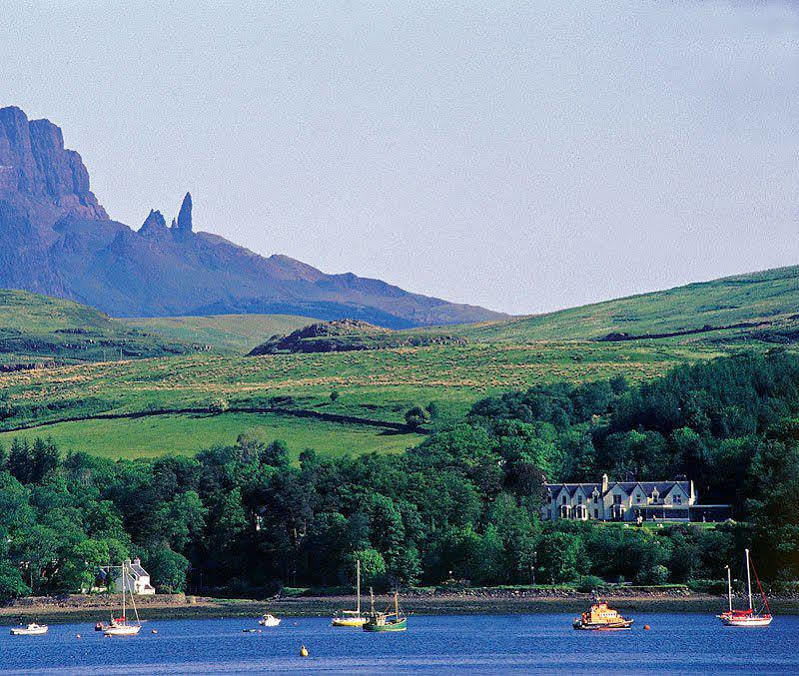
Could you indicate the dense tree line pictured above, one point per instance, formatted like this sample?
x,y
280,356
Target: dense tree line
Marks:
x,y
464,504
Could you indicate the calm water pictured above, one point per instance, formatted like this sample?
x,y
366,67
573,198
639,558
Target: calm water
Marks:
x,y
490,644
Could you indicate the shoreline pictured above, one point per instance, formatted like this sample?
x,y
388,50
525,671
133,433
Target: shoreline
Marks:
x,y
78,609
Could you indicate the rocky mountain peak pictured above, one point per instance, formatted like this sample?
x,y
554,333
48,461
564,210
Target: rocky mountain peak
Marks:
x,y
39,174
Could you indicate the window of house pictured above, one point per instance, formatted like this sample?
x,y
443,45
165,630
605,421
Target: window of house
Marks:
x,y
677,499
549,498
638,498
580,499
564,499
617,499
596,513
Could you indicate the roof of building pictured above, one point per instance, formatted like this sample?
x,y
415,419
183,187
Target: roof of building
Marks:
x,y
663,487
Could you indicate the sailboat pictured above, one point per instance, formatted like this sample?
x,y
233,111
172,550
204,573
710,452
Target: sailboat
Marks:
x,y
396,621
351,618
747,617
121,626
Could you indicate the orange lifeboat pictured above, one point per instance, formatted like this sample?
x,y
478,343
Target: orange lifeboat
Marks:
x,y
599,616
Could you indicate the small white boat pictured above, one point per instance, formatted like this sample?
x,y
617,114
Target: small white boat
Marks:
x,y
351,618
31,630
269,620
122,629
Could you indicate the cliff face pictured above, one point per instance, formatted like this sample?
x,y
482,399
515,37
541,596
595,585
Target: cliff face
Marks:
x,y
55,238
38,175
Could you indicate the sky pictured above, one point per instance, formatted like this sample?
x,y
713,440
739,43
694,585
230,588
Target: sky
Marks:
x,y
523,156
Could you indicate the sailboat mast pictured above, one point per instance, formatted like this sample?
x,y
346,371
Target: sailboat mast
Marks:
x,y
372,599
748,579
729,587
358,585
396,605
124,617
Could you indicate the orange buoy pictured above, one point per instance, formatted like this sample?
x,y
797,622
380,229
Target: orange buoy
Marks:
x,y
646,626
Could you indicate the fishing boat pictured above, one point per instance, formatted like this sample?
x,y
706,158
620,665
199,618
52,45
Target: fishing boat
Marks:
x,y
600,617
351,618
747,617
269,620
120,626
32,629
386,621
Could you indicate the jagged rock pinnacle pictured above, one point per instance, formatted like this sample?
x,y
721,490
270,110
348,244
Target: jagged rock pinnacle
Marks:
x,y
154,224
184,217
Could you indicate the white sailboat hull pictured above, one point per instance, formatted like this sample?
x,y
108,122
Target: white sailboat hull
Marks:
x,y
29,631
745,621
269,621
123,630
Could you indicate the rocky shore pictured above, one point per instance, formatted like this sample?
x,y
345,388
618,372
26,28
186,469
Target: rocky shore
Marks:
x,y
85,608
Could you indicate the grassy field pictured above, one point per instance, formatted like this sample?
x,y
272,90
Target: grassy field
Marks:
x,y
232,334
187,434
379,385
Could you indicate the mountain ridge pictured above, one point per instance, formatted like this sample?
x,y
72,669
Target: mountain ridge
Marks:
x,y
56,239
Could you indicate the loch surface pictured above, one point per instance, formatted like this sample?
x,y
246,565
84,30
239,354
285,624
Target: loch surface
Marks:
x,y
676,643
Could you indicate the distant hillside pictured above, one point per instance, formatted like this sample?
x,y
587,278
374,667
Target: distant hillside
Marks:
x,y
347,335
56,238
36,329
760,306
232,334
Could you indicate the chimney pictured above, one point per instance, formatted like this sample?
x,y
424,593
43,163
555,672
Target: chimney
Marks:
x,y
604,484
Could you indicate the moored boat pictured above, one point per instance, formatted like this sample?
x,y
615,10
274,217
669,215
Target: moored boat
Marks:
x,y
351,618
396,621
600,617
32,629
121,626
747,617
269,620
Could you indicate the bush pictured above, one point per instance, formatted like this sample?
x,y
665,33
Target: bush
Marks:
x,y
589,583
658,574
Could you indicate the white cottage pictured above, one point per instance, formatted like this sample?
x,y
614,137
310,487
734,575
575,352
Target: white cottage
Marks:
x,y
138,579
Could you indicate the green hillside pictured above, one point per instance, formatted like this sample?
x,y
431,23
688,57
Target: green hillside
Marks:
x,y
195,401
186,403
36,329
768,300
232,334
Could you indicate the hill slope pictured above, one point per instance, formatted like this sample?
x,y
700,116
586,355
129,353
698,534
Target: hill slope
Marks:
x,y
35,327
56,239
232,334
760,305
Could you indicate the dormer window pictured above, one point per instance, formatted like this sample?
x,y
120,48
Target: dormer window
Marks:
x,y
638,498
580,499
617,498
564,499
676,499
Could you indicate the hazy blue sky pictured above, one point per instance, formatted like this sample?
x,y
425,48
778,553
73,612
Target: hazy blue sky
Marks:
x,y
522,156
